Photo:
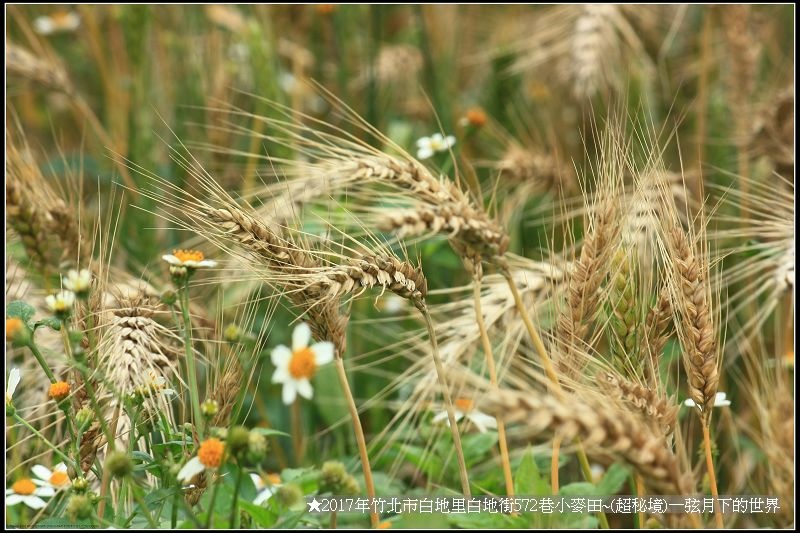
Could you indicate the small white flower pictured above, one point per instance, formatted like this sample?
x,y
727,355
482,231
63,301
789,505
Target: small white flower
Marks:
x,y
465,408
13,381
209,455
25,491
294,368
64,21
188,259
78,282
56,478
61,303
427,146
264,488
720,400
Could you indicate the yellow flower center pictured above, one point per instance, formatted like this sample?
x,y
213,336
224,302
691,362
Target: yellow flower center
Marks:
x,y
476,117
274,479
59,390
303,364
23,487
188,255
60,18
210,453
59,478
13,327
464,404
385,525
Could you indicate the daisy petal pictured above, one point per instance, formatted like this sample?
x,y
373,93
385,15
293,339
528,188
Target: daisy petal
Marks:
x,y
42,472
483,421
304,389
440,417
263,496
323,352
171,259
301,336
289,393
424,153
689,402
450,141
423,142
280,375
14,499
45,491
258,481
13,381
34,502
191,469
281,356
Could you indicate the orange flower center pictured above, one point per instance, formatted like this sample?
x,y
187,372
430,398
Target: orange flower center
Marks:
x,y
60,18
274,479
385,525
59,478
210,453
476,117
303,364
59,390
13,327
464,404
23,487
326,9
188,255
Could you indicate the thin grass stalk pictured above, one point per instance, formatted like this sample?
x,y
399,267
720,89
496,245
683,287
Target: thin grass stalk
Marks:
x,y
448,402
190,362
360,439
487,349
712,477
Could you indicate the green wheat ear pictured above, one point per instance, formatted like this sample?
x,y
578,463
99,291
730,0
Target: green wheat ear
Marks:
x,y
625,315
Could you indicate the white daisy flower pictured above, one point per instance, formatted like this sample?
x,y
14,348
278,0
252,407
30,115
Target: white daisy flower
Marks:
x,y
64,21
266,488
56,478
61,303
188,259
13,381
465,408
209,455
720,400
427,146
78,282
25,491
294,368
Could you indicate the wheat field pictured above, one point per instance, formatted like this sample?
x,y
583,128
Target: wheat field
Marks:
x,y
263,254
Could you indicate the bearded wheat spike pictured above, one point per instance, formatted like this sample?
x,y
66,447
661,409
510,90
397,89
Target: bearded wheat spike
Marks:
x,y
699,338
584,282
606,431
646,400
24,64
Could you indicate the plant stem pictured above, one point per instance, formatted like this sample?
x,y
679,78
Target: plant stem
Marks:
x,y
213,502
297,432
235,507
46,442
554,485
190,362
40,359
451,414
487,349
359,432
712,478
640,494
137,495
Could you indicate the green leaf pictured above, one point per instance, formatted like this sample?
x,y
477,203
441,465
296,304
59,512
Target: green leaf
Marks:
x,y
50,322
142,456
262,516
477,445
528,481
21,310
62,523
267,432
613,480
581,488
